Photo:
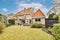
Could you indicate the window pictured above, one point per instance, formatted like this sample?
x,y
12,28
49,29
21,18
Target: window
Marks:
x,y
37,20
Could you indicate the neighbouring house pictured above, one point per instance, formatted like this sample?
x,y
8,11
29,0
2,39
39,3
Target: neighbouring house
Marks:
x,y
28,17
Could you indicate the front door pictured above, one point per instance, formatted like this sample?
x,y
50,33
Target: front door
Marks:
x,y
30,21
27,21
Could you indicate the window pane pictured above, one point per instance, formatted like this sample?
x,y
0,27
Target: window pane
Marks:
x,y
37,20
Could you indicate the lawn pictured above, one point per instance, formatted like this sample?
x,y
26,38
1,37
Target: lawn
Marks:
x,y
24,33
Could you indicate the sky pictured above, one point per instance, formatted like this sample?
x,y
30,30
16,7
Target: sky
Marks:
x,y
14,6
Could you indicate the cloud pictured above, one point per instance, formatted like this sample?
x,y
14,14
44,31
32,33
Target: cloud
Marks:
x,y
30,5
57,1
36,6
18,2
4,9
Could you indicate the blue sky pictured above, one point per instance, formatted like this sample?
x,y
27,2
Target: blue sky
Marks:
x,y
13,6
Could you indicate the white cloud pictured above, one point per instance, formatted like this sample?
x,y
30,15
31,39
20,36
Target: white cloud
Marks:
x,y
57,1
4,9
17,2
30,5
36,6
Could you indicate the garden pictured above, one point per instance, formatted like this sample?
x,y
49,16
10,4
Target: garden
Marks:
x,y
16,32
35,32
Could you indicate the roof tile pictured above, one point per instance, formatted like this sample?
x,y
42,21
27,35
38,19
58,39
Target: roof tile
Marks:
x,y
38,13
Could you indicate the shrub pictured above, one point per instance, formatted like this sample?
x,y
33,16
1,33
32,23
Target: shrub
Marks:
x,y
36,25
2,26
11,22
56,31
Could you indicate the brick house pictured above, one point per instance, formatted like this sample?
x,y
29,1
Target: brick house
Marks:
x,y
27,16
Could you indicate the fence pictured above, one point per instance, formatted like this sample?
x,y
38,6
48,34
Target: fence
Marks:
x,y
50,22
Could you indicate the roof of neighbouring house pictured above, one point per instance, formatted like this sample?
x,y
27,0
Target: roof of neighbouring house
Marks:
x,y
38,13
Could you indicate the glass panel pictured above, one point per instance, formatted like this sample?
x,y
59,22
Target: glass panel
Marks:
x,y
37,19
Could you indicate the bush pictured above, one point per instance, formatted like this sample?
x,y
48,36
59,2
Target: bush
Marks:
x,y
36,25
2,26
11,21
56,31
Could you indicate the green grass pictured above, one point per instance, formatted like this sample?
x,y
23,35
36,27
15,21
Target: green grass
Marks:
x,y
24,33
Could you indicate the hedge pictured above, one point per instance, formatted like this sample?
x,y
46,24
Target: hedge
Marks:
x,y
56,31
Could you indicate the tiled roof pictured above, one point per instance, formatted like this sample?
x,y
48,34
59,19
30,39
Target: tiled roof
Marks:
x,y
38,13
27,11
18,13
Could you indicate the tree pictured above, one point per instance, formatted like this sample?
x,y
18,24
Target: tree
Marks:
x,y
0,14
51,15
55,16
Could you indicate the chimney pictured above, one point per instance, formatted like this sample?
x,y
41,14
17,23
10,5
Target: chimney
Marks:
x,y
24,8
31,9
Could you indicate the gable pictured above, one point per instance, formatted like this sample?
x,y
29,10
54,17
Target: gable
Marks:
x,y
38,13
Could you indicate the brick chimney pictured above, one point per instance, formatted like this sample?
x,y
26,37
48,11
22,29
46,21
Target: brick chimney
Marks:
x,y
31,9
